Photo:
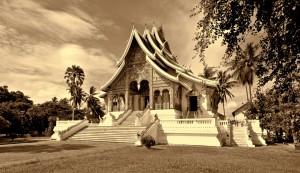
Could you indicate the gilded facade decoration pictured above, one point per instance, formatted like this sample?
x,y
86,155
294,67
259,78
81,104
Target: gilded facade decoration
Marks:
x,y
139,73
137,56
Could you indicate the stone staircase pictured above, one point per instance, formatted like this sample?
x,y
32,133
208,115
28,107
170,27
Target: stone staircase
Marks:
x,y
98,133
130,120
240,136
125,132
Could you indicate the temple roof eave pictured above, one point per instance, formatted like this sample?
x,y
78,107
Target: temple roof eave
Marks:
x,y
109,82
198,80
135,34
166,75
161,56
159,40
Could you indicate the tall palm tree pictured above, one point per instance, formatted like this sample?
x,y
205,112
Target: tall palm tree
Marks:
x,y
244,65
74,78
225,83
208,72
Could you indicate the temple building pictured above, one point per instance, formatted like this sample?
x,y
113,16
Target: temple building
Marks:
x,y
148,75
150,94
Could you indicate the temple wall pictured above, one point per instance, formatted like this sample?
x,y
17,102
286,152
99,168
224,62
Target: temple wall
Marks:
x,y
166,91
204,99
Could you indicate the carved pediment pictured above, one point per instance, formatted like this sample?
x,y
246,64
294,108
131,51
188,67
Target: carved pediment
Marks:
x,y
137,56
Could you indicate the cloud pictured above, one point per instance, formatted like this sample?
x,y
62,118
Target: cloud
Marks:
x,y
34,19
231,105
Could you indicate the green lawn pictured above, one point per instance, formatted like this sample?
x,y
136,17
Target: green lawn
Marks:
x,y
68,156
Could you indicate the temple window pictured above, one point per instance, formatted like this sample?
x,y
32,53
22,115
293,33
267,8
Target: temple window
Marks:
x,y
115,103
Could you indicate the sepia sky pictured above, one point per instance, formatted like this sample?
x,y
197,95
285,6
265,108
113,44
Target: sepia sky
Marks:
x,y
41,38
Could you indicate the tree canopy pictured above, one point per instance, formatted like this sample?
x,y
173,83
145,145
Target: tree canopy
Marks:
x,y
276,25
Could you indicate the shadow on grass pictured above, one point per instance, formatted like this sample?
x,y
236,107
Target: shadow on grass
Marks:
x,y
43,148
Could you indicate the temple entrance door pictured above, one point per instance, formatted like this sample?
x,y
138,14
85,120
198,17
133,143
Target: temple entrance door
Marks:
x,y
145,102
193,103
135,102
139,94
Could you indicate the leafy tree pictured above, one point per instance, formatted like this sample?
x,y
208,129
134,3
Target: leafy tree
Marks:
x,y
4,124
277,22
278,112
15,113
225,83
244,66
74,78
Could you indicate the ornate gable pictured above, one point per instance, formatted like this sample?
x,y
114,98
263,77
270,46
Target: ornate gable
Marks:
x,y
136,55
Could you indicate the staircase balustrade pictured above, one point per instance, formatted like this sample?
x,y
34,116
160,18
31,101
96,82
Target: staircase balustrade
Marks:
x,y
62,131
122,117
189,122
144,118
151,130
203,125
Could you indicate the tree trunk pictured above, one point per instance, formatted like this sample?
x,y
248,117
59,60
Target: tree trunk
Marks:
x,y
250,93
224,109
247,93
73,112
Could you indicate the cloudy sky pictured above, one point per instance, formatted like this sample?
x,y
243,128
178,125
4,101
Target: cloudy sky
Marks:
x,y
40,39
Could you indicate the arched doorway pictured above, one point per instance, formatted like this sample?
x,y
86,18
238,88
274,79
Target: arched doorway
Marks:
x,y
144,91
166,99
157,100
139,95
115,103
194,102
122,102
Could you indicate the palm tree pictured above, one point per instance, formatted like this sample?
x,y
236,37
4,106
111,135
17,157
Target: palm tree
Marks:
x,y
54,100
225,83
244,65
93,103
208,72
75,78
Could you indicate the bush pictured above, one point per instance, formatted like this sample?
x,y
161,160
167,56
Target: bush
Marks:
x,y
148,141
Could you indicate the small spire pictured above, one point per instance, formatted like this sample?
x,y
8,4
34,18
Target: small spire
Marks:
x,y
145,25
153,24
132,24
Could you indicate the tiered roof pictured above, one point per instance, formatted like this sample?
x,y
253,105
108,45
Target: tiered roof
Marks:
x,y
159,56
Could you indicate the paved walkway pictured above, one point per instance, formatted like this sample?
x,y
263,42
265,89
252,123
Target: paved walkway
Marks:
x,y
15,154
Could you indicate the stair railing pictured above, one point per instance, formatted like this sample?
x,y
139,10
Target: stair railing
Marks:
x,y
140,115
122,117
69,131
145,117
152,127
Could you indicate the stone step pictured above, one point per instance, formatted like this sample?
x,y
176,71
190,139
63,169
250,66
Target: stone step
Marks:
x,y
104,140
130,120
126,138
126,134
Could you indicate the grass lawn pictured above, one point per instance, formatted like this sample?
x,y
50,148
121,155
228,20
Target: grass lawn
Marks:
x,y
73,156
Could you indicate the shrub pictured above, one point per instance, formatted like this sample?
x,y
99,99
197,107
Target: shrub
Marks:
x,y
148,141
